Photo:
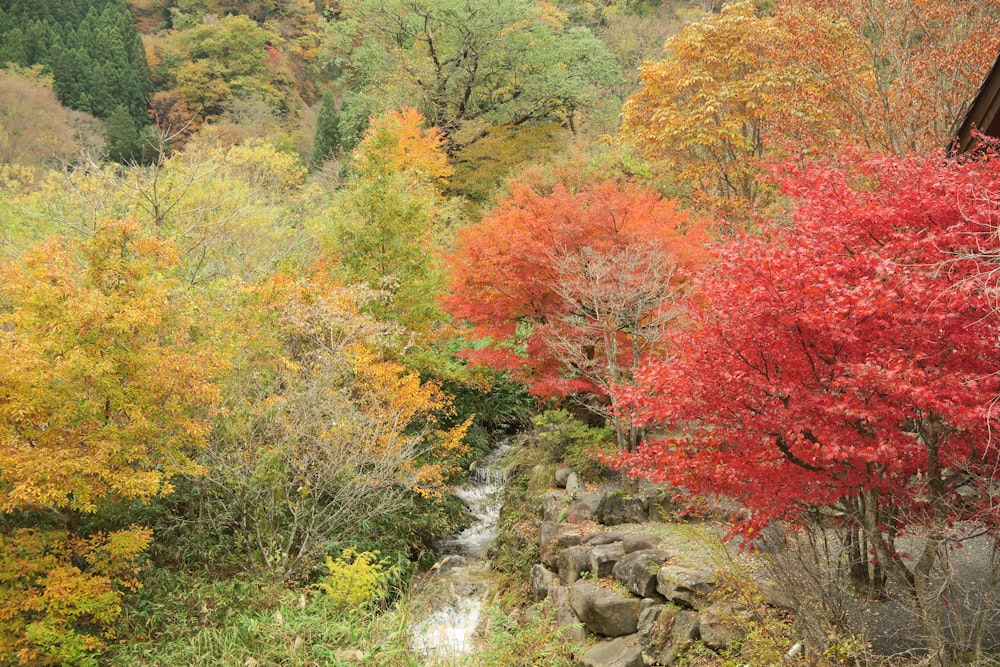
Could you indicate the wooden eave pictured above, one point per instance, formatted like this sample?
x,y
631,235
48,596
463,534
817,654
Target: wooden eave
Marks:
x,y
983,114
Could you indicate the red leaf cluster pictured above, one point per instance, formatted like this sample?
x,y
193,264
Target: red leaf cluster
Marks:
x,y
853,350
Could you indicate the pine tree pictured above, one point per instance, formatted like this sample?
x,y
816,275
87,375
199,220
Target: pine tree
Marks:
x,y
327,139
121,136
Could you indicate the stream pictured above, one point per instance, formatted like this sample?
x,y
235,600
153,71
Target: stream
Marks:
x,y
457,585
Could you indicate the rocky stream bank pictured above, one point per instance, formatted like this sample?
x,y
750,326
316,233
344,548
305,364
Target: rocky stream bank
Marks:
x,y
631,579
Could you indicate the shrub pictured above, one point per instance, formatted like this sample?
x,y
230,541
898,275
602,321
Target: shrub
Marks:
x,y
565,438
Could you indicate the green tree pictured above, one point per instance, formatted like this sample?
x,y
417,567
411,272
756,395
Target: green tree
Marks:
x,y
327,138
467,65
122,137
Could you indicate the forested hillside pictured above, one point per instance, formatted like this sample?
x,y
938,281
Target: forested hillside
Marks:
x,y
274,274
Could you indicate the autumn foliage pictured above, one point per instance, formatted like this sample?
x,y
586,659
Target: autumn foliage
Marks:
x,y
104,396
572,288
847,361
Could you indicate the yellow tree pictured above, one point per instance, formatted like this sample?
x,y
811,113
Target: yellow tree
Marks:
x,y
324,430
387,217
704,110
104,396
741,88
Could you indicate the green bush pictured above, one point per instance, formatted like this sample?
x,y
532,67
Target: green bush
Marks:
x,y
564,438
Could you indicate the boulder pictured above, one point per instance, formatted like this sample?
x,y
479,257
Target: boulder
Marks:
x,y
572,484
603,537
553,504
539,479
666,631
603,558
774,594
661,505
621,652
722,624
554,537
564,615
561,475
572,562
684,585
602,611
617,508
583,508
541,578
639,542
638,570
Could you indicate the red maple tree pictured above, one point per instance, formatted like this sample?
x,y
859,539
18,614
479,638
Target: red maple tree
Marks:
x,y
847,361
573,288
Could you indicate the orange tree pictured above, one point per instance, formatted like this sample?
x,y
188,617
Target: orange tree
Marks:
x,y
104,396
574,289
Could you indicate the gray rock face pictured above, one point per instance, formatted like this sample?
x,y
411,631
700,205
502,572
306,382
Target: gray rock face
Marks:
x,y
639,542
638,570
603,538
604,557
554,537
572,562
553,503
583,508
616,508
541,578
572,484
685,585
604,612
721,624
665,632
661,506
621,652
564,615
562,474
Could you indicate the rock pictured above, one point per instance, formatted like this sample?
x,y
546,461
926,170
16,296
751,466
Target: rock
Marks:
x,y
561,475
621,652
666,632
603,558
572,484
554,537
603,538
638,570
572,562
686,585
721,624
541,578
450,562
616,508
661,505
774,594
639,542
553,503
540,479
604,612
564,615
583,508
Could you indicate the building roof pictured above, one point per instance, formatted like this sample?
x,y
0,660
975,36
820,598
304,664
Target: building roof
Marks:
x,y
984,114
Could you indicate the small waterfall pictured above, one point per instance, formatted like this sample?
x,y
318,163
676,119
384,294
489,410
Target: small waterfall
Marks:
x,y
456,586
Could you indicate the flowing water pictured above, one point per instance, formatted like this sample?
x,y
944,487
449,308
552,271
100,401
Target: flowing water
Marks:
x,y
454,590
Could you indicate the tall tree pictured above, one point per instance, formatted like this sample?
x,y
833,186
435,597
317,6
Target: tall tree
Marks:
x,y
467,64
327,138
593,274
847,362
104,396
